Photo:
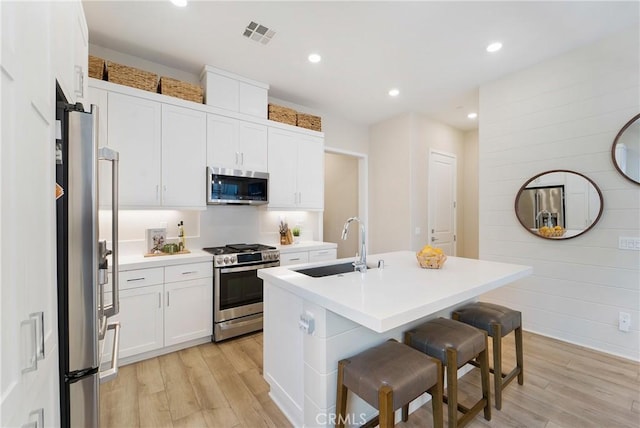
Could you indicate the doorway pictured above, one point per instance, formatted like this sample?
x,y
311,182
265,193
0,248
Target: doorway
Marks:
x,y
442,201
344,197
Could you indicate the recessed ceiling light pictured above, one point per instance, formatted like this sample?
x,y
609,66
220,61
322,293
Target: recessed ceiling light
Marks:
x,y
472,115
314,57
179,3
394,92
494,47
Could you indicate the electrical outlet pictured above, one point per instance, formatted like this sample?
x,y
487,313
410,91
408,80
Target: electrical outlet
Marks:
x,y
624,321
628,243
418,231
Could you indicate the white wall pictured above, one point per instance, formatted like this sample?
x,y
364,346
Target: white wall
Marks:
x,y
564,114
340,201
469,204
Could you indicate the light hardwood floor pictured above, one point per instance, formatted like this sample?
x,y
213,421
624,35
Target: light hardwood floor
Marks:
x,y
221,385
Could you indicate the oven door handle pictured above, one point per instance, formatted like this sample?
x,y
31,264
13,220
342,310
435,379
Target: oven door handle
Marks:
x,y
248,268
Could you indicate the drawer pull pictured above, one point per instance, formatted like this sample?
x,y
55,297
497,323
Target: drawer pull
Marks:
x,y
136,279
190,272
322,252
295,259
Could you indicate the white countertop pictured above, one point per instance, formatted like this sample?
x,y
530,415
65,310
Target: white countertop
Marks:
x,y
306,246
402,292
132,262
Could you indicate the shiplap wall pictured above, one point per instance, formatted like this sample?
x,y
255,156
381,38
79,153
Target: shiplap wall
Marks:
x,y
564,114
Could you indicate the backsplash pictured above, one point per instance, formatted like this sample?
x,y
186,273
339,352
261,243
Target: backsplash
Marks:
x,y
217,225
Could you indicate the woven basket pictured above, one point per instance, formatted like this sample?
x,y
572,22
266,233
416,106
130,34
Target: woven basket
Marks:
x,y
96,67
309,121
282,114
431,262
179,89
130,76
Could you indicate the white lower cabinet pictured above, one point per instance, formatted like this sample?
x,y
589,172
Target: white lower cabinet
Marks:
x,y
188,311
322,255
162,307
287,259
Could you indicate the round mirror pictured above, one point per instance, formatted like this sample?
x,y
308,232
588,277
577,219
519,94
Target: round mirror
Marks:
x,y
558,204
626,150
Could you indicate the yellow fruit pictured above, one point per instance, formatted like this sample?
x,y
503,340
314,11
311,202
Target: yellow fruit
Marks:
x,y
558,227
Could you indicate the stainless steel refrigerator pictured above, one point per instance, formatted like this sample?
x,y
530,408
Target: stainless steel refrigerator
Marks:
x,y
82,263
542,206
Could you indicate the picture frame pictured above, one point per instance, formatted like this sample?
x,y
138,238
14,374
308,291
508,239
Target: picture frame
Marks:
x,y
155,239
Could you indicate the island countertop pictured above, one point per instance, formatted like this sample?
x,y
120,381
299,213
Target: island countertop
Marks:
x,y
401,292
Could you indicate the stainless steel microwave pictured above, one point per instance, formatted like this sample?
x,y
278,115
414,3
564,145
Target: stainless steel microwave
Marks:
x,y
233,186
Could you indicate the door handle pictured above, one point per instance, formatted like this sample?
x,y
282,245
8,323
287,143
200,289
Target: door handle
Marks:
x,y
434,239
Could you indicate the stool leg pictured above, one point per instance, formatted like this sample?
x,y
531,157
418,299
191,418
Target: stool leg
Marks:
x,y
405,408
497,363
341,397
385,407
483,358
436,398
519,354
452,387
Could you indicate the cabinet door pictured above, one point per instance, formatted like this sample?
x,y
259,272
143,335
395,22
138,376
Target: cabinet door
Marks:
x,y
184,136
253,147
141,321
282,155
188,310
222,142
133,129
81,53
310,173
288,259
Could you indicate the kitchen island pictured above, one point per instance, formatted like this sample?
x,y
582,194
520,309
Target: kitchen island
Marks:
x,y
312,323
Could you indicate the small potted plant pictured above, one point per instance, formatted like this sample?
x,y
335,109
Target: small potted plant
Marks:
x,y
296,234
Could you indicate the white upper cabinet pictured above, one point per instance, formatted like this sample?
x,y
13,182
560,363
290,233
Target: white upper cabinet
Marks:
x,y
70,37
296,170
236,144
184,134
133,129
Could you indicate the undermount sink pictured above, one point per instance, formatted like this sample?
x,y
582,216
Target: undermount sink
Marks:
x,y
320,271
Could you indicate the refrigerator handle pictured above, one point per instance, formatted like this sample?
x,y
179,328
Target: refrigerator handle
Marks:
x,y
112,372
110,155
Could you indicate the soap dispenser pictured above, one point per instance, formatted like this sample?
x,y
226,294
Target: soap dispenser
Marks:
x,y
181,244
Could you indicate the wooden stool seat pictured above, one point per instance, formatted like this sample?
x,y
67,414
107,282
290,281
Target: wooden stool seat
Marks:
x,y
455,344
388,376
497,321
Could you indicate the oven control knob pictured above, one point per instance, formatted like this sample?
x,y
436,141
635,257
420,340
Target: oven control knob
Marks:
x,y
226,260
233,259
267,256
219,261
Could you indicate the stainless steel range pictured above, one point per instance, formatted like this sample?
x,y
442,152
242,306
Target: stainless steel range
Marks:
x,y
237,290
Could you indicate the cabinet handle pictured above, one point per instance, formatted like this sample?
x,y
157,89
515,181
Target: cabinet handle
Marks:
x,y
79,81
242,158
299,198
323,252
159,300
157,192
39,422
189,272
295,260
236,158
34,357
142,278
168,294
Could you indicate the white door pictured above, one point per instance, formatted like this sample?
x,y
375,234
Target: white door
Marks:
x,y
442,201
188,311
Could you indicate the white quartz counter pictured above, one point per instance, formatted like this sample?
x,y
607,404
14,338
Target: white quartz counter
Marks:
x,y
402,292
132,262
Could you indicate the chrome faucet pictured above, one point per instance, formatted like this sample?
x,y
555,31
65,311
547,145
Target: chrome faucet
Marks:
x,y
543,213
359,265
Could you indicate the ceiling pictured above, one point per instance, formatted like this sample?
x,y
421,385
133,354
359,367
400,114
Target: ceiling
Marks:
x,y
433,52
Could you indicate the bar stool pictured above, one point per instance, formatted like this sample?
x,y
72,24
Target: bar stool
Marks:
x,y
455,344
387,377
497,321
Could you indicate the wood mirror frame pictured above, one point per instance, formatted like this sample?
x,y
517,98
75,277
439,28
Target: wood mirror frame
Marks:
x,y
616,141
568,232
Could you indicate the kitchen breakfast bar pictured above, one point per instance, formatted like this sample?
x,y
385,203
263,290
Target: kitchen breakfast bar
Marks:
x,y
310,323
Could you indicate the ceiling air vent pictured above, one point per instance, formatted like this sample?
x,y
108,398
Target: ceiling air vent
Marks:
x,y
258,33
